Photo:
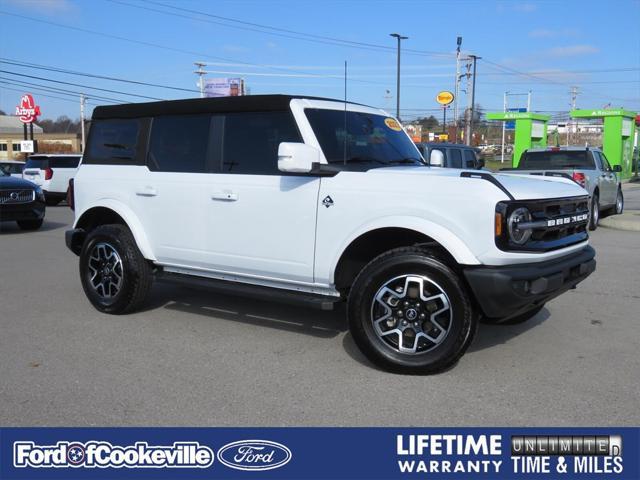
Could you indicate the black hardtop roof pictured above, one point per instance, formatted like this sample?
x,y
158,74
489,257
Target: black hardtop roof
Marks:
x,y
249,103
446,144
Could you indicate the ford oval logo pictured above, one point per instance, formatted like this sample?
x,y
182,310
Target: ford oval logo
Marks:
x,y
254,455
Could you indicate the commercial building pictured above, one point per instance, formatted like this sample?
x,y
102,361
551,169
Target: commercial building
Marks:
x,y
12,132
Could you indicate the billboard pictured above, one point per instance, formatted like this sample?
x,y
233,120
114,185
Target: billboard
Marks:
x,y
223,87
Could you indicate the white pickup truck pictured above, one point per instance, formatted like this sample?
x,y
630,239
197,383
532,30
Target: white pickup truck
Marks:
x,y
316,201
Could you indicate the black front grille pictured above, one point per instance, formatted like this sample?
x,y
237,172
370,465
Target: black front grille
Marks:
x,y
10,197
559,222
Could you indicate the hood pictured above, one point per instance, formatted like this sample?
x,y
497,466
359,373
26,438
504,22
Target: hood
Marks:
x,y
15,182
521,187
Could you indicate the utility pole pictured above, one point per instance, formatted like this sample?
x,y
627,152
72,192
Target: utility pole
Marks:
x,y
504,125
400,38
474,59
83,100
456,88
574,95
201,73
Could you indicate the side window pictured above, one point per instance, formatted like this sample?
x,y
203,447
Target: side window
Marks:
x,y
470,159
455,157
114,141
179,143
605,163
65,162
251,141
598,160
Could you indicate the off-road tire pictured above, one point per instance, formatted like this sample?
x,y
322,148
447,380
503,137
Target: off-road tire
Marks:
x,y
137,276
410,261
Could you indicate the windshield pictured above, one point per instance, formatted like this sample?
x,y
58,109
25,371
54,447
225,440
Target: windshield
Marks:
x,y
556,160
370,139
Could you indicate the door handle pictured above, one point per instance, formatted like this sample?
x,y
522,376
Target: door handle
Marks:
x,y
147,191
225,196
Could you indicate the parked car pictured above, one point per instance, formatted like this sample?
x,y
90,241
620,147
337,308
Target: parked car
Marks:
x,y
52,173
588,167
21,201
306,212
12,167
450,155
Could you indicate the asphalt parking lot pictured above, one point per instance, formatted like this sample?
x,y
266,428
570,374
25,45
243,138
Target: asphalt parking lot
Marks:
x,y
200,358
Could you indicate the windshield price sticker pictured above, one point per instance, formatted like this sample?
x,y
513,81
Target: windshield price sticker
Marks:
x,y
393,124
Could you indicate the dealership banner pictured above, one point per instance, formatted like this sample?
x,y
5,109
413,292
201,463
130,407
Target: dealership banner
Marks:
x,y
223,87
319,453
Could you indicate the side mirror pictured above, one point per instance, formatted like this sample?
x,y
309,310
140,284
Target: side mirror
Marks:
x,y
617,168
436,158
297,157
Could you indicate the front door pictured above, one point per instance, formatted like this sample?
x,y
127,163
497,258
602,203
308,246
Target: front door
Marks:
x,y
259,222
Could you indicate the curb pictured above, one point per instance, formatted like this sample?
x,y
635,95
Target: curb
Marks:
x,y
628,221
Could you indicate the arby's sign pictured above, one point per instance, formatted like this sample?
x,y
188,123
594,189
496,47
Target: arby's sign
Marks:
x,y
28,111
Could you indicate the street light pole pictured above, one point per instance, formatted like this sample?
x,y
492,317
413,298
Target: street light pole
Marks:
x,y
400,38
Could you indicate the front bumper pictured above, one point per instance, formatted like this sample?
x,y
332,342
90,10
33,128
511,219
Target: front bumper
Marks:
x,y
503,292
23,211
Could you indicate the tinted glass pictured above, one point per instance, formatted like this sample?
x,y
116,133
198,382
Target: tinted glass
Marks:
x,y
41,163
370,139
11,167
556,160
598,159
113,140
455,158
469,159
251,141
179,143
64,162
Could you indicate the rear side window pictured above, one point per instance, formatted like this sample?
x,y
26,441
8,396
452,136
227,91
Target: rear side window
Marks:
x,y
179,143
41,163
470,159
64,162
455,157
251,141
114,141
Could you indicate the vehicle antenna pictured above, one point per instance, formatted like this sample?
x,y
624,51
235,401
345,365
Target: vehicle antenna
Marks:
x,y
345,115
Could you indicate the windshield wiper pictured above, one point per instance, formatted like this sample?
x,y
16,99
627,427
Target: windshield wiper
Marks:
x,y
363,160
407,160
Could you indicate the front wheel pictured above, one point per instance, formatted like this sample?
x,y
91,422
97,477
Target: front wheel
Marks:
x,y
594,218
409,313
619,202
115,276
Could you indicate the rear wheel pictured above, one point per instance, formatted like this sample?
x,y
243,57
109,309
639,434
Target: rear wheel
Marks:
x,y
29,224
115,276
409,313
594,217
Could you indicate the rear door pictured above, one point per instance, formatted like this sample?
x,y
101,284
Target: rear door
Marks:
x,y
35,170
63,169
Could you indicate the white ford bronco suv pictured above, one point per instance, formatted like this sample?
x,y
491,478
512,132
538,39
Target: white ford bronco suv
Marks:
x,y
320,201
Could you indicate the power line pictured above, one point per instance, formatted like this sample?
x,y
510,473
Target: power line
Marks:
x,y
59,90
80,85
47,95
90,75
271,30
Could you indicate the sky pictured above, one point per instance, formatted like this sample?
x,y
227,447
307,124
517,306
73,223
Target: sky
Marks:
x,y
300,47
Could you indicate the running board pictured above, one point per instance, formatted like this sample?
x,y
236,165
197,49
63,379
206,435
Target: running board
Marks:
x,y
321,302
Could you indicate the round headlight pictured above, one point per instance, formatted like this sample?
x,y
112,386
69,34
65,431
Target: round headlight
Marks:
x,y
518,235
